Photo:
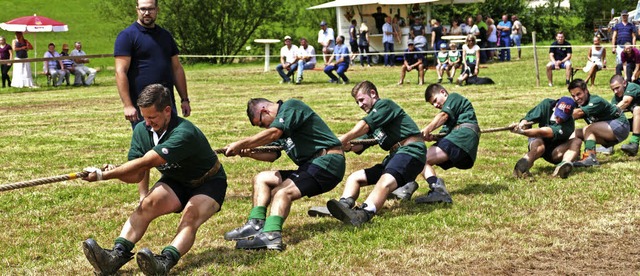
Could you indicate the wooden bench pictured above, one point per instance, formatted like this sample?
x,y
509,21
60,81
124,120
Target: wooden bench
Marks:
x,y
576,69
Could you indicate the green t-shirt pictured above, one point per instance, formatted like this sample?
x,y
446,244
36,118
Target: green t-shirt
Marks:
x,y
632,90
460,111
543,115
389,124
442,56
597,109
185,148
304,133
454,56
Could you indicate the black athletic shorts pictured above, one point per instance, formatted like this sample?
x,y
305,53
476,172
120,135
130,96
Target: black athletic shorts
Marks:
x,y
403,167
311,179
458,158
215,188
549,146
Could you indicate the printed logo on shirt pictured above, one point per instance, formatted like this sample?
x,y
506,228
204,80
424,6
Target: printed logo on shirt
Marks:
x,y
374,110
281,120
289,145
167,166
165,150
379,135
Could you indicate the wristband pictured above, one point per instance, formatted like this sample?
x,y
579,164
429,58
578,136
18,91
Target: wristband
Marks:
x,y
185,100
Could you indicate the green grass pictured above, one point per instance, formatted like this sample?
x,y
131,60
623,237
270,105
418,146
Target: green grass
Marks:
x,y
585,224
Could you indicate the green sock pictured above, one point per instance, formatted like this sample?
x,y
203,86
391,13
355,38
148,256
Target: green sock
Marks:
x,y
124,243
258,212
589,145
273,223
173,251
635,138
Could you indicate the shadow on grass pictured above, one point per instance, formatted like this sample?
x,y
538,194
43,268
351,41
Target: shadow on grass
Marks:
x,y
224,255
480,189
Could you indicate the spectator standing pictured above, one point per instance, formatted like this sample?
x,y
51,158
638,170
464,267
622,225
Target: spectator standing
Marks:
x,y
436,34
516,33
80,66
380,18
353,40
21,70
623,32
505,38
482,37
387,41
363,44
630,63
326,39
455,27
288,60
6,53
559,58
492,38
54,68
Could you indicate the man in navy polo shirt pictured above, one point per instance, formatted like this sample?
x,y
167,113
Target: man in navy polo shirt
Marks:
x,y
623,32
145,54
412,60
559,58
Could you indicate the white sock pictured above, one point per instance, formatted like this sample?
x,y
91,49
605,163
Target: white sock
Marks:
x,y
370,207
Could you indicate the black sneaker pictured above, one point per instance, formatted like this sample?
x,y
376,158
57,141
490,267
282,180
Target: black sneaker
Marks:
x,y
319,211
405,192
440,80
563,169
630,149
437,194
521,168
248,230
264,240
355,217
104,261
450,80
151,264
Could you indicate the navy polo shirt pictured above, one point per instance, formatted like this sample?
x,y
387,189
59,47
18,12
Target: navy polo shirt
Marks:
x,y
625,33
560,51
412,56
150,51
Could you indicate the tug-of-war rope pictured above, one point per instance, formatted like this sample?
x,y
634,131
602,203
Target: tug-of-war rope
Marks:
x,y
71,176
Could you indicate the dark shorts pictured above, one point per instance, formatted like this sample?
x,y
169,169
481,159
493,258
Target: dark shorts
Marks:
x,y
458,158
402,167
549,146
215,188
311,179
354,46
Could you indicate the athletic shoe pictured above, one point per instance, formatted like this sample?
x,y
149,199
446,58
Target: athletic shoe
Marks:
x,y
437,194
405,192
588,160
152,264
550,84
319,211
248,230
450,80
355,217
563,169
264,240
440,80
604,150
104,262
333,81
285,81
521,169
630,149
566,82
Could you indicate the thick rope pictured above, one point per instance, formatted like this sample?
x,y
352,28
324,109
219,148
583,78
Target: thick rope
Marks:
x,y
41,181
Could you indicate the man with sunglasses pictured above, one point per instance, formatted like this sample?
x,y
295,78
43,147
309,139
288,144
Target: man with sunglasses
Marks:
x,y
623,32
309,143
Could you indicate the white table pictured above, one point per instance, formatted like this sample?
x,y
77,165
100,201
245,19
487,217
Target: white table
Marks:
x,y
266,43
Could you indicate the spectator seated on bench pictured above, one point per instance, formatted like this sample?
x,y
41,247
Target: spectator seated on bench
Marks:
x,y
87,75
69,67
51,67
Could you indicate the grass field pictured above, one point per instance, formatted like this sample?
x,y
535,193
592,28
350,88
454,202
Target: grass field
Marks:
x,y
586,224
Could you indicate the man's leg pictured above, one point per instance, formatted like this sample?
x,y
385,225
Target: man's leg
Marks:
x,y
342,68
567,153
92,76
280,70
629,70
550,73
329,71
421,74
595,133
403,72
161,200
632,147
536,150
568,71
263,184
300,69
292,69
198,209
437,191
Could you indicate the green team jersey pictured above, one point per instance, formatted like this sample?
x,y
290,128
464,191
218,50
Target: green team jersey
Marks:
x,y
185,148
304,133
597,109
543,115
389,124
632,90
442,56
460,111
454,56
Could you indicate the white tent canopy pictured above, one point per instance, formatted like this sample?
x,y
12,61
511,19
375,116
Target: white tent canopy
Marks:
x,y
345,3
